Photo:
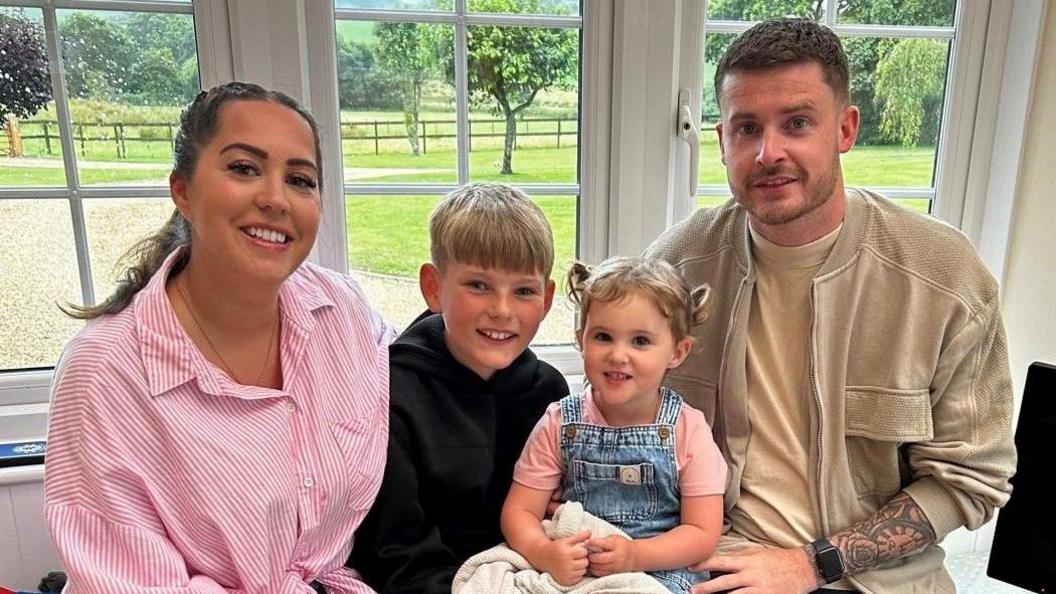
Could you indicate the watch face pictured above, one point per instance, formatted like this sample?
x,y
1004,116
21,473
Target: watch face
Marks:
x,y
829,560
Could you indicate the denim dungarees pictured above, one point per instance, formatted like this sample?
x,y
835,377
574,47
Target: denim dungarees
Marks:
x,y
627,476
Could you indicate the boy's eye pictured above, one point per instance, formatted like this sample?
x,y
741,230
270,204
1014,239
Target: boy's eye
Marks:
x,y
640,341
526,292
477,285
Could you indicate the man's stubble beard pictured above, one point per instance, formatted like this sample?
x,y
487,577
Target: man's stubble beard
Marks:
x,y
815,195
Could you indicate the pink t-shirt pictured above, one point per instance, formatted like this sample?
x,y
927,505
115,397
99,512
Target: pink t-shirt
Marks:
x,y
701,469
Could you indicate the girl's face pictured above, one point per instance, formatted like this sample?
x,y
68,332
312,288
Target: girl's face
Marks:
x,y
627,348
253,198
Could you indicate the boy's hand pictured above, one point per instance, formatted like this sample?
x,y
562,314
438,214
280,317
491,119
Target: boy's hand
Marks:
x,y
612,554
565,559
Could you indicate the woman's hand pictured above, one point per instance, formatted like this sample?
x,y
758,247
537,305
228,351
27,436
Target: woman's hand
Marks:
x,y
612,554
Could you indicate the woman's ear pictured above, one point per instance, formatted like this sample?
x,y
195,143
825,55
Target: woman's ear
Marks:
x,y
178,192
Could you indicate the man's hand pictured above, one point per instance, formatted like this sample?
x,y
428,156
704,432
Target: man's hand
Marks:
x,y
565,559
759,571
612,554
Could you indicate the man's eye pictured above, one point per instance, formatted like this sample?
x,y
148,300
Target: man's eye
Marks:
x,y
747,128
799,123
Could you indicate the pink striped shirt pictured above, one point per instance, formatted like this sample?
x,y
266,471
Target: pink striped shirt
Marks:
x,y
165,476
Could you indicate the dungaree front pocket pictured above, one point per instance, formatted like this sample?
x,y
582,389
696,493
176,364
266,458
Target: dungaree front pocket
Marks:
x,y
616,493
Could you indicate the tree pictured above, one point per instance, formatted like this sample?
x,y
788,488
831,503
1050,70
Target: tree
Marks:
x,y
24,83
408,53
909,84
509,66
97,54
863,53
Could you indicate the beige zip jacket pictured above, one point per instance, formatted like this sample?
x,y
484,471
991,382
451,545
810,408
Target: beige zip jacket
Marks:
x,y
908,371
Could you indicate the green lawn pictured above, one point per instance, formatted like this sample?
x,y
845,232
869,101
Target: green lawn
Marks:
x,y
380,242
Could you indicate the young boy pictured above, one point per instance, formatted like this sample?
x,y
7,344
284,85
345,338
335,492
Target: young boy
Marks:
x,y
465,391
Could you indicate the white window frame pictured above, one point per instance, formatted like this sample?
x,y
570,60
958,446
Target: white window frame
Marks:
x,y
634,169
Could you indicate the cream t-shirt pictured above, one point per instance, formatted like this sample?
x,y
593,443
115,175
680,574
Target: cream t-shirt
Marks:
x,y
776,505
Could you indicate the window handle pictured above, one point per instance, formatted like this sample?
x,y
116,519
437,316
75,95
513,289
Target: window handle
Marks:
x,y
687,130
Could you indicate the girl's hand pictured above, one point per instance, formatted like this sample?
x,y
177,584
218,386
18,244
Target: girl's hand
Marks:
x,y
612,554
565,559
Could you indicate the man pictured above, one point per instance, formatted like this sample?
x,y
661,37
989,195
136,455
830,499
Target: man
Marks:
x,y
855,370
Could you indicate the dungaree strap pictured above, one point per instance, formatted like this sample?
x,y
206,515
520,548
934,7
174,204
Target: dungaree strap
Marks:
x,y
670,406
571,410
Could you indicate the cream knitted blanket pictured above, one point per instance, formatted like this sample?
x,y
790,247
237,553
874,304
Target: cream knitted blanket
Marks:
x,y
501,570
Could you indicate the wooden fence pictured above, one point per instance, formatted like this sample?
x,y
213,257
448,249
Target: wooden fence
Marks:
x,y
121,134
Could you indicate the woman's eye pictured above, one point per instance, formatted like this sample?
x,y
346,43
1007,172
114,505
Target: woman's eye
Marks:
x,y
305,183
243,168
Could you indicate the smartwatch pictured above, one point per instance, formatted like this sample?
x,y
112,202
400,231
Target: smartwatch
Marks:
x,y
828,559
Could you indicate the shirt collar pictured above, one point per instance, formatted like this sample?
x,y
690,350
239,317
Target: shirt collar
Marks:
x,y
170,357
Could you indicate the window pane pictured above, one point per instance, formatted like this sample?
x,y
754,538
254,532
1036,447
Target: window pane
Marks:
x,y
899,86
523,84
388,239
395,4
127,76
397,103
114,226
757,10
550,7
711,169
923,13
30,151
38,271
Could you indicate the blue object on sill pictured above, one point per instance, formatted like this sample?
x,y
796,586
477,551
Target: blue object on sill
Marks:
x,y
22,453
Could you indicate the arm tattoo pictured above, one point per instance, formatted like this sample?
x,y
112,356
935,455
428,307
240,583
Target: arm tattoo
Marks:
x,y
896,530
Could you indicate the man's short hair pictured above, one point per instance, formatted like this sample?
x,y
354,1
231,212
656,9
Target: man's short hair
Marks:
x,y
491,226
787,41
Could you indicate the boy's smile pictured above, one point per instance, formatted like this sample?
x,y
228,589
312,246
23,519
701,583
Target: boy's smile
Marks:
x,y
490,314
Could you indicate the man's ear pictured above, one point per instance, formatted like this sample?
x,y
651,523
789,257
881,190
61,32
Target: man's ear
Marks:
x,y
850,119
178,192
429,283
722,149
682,349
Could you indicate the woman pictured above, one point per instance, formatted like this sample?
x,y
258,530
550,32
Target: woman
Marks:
x,y
220,424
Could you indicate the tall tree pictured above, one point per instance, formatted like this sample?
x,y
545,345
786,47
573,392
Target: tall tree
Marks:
x,y
407,51
509,66
97,55
909,84
24,83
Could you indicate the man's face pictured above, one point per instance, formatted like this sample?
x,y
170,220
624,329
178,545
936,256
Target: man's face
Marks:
x,y
781,135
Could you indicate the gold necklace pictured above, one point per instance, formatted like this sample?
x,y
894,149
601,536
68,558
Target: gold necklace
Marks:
x,y
227,368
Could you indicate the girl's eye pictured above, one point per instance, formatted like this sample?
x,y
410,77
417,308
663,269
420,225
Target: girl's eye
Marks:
x,y
302,182
640,341
243,168
602,337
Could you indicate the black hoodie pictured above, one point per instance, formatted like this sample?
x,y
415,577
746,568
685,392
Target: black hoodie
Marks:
x,y
453,441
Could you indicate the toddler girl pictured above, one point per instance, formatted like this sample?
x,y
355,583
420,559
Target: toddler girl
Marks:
x,y
631,451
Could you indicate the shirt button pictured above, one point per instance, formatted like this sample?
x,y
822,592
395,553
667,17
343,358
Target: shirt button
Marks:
x,y
290,407
309,482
